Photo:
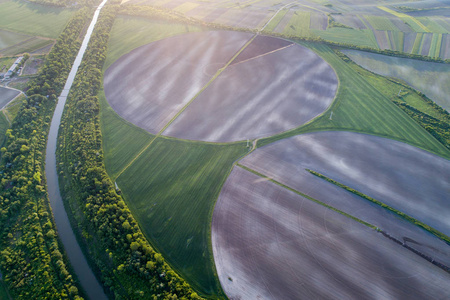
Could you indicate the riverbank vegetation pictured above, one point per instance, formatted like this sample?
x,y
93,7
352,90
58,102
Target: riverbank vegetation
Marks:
x,y
122,257
32,261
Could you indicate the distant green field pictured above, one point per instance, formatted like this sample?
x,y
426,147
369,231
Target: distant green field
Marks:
x,y
33,19
8,38
360,37
436,42
298,25
26,46
276,20
381,23
363,105
129,33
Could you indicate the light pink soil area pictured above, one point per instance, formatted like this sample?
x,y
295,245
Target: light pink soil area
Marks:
x,y
270,243
259,97
408,41
409,179
152,83
382,40
318,21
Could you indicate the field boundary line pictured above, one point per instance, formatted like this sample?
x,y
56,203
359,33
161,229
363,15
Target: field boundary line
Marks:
x,y
399,213
206,86
261,55
378,229
308,197
404,16
187,105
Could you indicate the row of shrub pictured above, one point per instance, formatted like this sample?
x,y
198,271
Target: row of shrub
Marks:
x,y
395,211
120,254
32,261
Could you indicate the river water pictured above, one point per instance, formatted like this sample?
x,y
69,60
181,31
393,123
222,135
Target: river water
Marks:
x,y
84,273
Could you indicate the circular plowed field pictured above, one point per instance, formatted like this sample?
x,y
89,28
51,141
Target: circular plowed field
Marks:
x,y
273,242
220,86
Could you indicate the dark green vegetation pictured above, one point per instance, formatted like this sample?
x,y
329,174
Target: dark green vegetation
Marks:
x,y
391,209
363,104
4,125
127,265
31,260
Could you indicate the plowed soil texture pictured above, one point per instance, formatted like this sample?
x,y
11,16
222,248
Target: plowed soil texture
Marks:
x,y
272,86
271,243
259,97
149,85
404,177
6,95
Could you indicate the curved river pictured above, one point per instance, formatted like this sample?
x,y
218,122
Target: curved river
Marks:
x,y
85,275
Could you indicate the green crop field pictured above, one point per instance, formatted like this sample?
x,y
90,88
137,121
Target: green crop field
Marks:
x,y
381,23
8,38
363,105
299,24
121,140
129,33
360,37
417,43
3,291
27,46
4,125
33,19
276,20
436,43
174,198
398,38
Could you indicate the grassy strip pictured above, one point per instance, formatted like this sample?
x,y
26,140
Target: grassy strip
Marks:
x,y
309,198
414,221
362,105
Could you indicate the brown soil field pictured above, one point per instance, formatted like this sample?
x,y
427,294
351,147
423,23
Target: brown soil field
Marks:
x,y
259,97
270,243
149,85
273,86
408,42
259,46
406,178
382,40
